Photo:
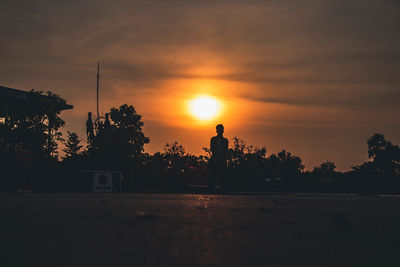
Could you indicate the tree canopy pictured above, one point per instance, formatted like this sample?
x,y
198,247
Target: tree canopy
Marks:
x,y
34,127
72,145
122,141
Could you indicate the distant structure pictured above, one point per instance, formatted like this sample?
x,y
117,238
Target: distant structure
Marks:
x,y
97,91
93,126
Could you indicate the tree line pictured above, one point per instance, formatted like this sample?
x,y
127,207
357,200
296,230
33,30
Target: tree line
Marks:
x,y
29,158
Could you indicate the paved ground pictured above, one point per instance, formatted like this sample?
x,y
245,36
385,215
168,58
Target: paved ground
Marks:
x,y
198,230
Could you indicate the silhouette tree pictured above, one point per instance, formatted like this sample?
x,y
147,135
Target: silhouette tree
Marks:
x,y
128,129
245,165
174,150
324,178
118,144
326,169
236,154
121,142
385,155
168,168
288,167
174,154
72,145
34,127
29,137
382,172
241,153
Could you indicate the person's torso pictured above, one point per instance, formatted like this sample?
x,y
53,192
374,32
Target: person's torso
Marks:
x,y
219,147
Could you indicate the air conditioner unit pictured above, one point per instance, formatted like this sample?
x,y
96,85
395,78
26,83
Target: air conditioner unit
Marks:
x,y
101,181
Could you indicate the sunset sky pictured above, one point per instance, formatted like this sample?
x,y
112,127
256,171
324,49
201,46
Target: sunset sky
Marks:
x,y
316,78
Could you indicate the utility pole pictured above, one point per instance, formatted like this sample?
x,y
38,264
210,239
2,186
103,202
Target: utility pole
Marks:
x,y
98,78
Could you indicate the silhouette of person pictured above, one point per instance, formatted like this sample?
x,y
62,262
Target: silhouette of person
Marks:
x,y
107,121
219,153
89,128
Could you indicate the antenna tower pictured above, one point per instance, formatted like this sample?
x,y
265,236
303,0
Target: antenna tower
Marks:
x,y
98,78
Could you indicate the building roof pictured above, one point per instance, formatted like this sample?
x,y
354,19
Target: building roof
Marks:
x,y
11,98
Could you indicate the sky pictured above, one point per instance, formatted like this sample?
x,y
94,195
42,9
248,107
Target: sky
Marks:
x,y
316,78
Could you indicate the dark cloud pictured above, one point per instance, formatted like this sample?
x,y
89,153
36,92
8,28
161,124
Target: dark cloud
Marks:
x,y
338,99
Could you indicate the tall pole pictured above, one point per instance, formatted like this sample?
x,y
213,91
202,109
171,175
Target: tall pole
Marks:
x,y
98,77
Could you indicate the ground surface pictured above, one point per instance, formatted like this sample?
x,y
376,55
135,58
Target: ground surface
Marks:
x,y
198,230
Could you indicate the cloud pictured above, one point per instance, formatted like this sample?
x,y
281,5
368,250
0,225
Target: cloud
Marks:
x,y
368,100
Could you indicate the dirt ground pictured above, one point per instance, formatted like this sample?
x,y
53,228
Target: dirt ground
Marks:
x,y
198,230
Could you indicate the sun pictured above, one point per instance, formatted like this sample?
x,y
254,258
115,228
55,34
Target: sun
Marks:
x,y
204,107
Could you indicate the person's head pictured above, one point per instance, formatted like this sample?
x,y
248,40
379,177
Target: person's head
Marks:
x,y
89,115
220,129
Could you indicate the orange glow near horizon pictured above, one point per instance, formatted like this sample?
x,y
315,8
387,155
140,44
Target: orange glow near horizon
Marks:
x,y
190,104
